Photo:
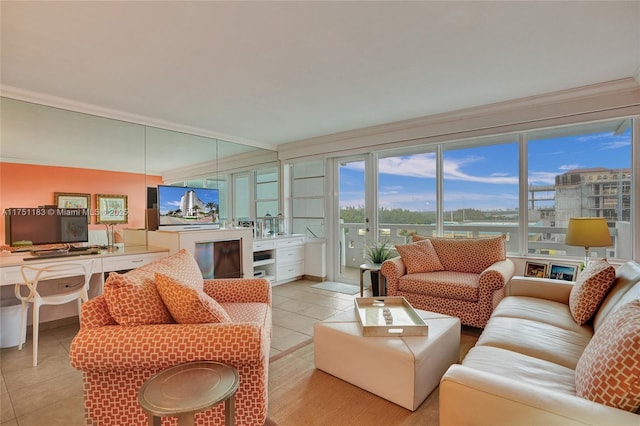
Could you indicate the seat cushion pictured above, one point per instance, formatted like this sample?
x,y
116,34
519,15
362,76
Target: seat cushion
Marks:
x,y
536,339
133,299
443,284
248,312
609,370
541,310
189,305
523,368
590,289
419,257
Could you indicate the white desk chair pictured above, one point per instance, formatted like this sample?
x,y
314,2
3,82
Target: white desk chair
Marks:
x,y
77,275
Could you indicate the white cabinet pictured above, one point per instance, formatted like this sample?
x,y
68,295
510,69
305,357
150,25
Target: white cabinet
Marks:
x,y
264,259
190,240
132,261
280,259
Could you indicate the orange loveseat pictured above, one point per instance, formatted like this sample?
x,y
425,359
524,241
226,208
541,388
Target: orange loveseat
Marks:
x,y
116,359
464,278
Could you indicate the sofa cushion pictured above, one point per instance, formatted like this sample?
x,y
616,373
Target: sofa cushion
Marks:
x,y
442,284
419,257
523,368
536,339
608,371
133,299
541,310
589,290
472,255
189,305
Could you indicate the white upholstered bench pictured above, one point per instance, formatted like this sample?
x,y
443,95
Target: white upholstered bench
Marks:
x,y
403,370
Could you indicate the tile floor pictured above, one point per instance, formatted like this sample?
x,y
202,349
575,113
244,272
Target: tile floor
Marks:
x,y
51,394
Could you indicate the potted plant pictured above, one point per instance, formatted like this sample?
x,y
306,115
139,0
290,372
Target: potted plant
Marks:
x,y
380,252
377,254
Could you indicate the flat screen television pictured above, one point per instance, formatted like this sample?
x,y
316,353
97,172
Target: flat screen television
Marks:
x,y
184,208
45,225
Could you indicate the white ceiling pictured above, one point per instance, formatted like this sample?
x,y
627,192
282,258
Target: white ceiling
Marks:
x,y
268,73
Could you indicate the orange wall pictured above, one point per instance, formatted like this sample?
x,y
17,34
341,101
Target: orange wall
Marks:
x,y
26,185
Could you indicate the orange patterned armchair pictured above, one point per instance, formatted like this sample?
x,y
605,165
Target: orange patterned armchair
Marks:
x,y
116,359
464,277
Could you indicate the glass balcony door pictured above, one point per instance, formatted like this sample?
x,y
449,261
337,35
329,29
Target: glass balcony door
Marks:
x,y
357,225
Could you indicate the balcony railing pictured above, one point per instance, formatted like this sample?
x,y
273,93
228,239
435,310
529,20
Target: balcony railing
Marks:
x,y
541,240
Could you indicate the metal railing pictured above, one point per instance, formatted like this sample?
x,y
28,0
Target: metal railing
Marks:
x,y
541,240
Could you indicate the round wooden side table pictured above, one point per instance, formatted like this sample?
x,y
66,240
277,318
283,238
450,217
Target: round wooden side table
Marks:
x,y
186,389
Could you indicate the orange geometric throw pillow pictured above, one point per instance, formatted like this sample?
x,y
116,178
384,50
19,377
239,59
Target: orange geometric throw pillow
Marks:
x,y
132,299
608,371
419,257
590,288
187,304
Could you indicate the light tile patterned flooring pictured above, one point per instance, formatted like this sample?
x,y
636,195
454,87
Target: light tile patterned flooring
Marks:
x,y
51,393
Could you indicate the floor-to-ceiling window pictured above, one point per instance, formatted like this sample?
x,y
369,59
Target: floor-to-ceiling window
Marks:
x,y
580,171
525,185
480,189
407,193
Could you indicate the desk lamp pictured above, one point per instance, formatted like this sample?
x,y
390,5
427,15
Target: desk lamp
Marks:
x,y
588,232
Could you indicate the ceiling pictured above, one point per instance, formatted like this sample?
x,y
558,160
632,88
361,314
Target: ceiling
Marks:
x,y
266,73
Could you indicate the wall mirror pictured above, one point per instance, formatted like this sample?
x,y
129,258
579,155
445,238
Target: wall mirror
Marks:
x,y
46,150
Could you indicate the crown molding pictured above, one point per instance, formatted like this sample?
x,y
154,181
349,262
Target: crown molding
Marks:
x,y
85,108
537,111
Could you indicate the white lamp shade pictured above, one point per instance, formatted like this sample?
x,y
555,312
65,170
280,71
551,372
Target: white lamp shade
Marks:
x,y
588,232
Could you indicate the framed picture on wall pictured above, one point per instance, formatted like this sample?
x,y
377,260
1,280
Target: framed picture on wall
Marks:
x,y
535,269
559,271
111,209
69,200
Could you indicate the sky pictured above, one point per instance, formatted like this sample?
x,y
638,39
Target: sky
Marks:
x,y
486,177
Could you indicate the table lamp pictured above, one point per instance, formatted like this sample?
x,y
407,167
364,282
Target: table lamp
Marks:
x,y
588,232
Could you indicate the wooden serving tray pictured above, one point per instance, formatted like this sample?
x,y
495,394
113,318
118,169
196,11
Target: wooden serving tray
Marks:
x,y
389,316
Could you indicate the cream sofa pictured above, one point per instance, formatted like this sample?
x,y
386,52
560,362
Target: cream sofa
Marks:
x,y
526,365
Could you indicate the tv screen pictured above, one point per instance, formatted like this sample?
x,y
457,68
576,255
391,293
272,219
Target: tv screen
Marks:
x,y
188,207
46,225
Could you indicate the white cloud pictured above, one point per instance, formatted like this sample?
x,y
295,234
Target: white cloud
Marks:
x,y
569,167
424,166
542,178
616,144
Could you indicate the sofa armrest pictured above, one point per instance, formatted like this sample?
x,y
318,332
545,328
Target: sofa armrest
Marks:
x,y
393,269
470,396
497,275
239,290
541,288
162,345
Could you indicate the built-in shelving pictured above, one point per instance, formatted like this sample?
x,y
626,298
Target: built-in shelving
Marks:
x,y
279,259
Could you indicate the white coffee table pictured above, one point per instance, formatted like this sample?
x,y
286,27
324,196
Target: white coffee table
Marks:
x,y
403,370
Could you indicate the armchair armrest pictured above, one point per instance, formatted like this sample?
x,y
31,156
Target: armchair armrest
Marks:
x,y
393,269
541,288
492,399
162,345
497,275
239,290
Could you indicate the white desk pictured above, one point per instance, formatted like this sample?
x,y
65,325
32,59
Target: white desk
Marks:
x,y
124,258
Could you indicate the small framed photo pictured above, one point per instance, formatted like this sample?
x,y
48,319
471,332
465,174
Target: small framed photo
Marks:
x,y
535,269
562,272
111,209
68,200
